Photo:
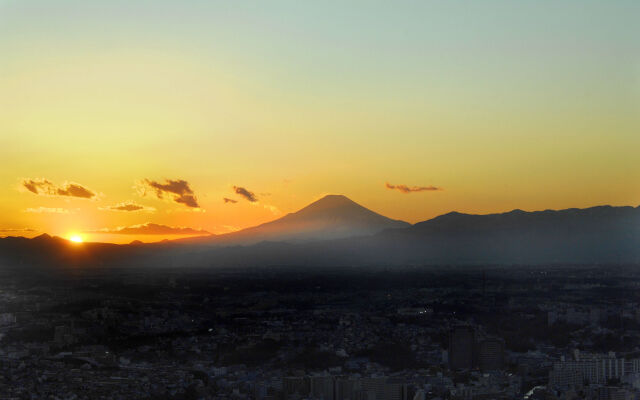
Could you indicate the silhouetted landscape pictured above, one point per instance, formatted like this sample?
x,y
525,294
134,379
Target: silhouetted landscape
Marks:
x,y
319,200
332,302
337,231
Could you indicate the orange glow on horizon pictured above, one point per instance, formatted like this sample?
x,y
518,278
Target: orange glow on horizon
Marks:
x,y
401,109
76,239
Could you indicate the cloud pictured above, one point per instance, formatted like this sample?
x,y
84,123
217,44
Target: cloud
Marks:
x,y
17,230
128,206
176,190
25,232
39,186
248,195
75,190
274,210
44,187
186,210
253,199
407,189
152,229
48,210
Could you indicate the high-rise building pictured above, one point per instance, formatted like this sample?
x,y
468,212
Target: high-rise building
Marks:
x,y
295,387
491,354
322,387
381,388
461,344
346,388
592,369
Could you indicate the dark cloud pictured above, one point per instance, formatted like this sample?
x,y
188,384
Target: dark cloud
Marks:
x,y
128,206
176,190
250,196
75,190
153,229
44,187
407,189
39,186
228,200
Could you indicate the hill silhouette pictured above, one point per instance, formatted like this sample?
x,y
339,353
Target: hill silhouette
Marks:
x,y
335,231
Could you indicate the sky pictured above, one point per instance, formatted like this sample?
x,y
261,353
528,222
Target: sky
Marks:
x,y
136,119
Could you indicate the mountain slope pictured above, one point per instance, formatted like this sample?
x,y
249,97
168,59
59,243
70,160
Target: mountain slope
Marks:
x,y
596,234
331,217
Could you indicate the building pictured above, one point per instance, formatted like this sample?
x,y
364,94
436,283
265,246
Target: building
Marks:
x,y
322,387
591,369
295,387
461,345
491,354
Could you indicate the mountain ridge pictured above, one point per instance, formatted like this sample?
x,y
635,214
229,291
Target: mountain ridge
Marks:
x,y
600,234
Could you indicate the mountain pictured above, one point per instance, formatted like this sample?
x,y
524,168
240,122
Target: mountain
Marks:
x,y
335,231
46,250
331,217
598,234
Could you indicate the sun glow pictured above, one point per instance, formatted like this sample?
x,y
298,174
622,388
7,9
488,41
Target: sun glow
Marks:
x,y
76,238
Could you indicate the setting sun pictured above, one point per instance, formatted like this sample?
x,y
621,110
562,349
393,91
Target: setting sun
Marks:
x,y
76,238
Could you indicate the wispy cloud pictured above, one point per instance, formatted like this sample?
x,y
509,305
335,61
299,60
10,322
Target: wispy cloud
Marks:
x,y
178,191
152,229
407,189
247,194
48,210
186,210
228,200
128,206
27,230
274,210
44,187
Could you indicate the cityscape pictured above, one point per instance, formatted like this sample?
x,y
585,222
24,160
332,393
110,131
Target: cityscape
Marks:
x,y
560,332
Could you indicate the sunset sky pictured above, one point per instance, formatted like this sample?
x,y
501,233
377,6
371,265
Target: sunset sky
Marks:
x,y
116,114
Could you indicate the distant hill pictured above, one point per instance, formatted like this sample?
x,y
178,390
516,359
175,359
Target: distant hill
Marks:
x,y
603,234
335,231
46,250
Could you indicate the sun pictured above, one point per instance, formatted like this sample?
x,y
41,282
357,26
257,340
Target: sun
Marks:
x,y
76,238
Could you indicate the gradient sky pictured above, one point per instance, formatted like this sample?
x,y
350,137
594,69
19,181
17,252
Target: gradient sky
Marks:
x,y
501,104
